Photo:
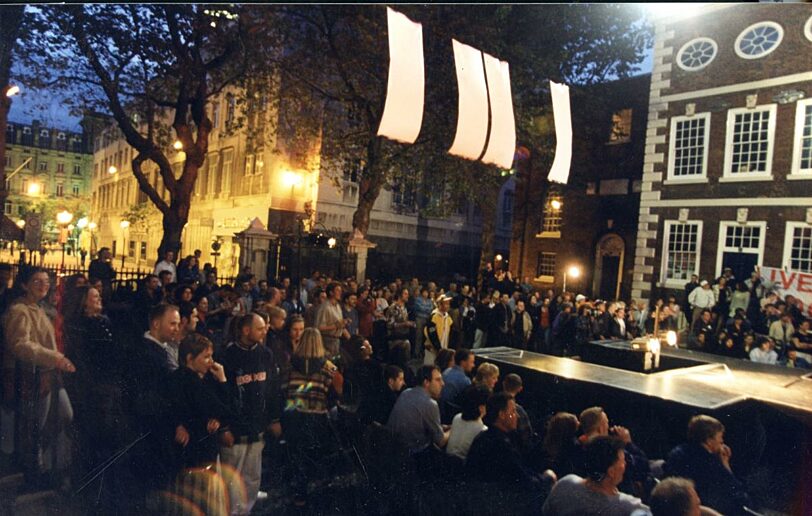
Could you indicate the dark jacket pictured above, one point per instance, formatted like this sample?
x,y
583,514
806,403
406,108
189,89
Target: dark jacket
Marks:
x,y
717,487
250,377
493,457
615,331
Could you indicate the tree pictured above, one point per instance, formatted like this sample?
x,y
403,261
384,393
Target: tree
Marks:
x,y
11,21
153,67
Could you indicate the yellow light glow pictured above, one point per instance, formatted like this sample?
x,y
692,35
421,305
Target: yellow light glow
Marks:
x,y
21,223
654,345
82,223
13,90
34,189
177,145
91,226
112,169
498,257
64,217
124,224
671,338
574,272
331,242
71,227
556,204
291,178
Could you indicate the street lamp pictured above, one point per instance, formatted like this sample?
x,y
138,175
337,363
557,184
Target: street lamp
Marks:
x,y
556,204
112,169
177,145
63,218
12,90
574,272
34,189
124,225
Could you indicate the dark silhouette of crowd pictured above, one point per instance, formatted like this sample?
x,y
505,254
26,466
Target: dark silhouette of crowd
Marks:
x,y
185,389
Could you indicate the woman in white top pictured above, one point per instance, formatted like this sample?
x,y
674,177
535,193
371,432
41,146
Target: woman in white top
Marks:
x,y
468,424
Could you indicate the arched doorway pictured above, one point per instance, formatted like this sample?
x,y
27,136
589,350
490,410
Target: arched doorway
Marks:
x,y
609,254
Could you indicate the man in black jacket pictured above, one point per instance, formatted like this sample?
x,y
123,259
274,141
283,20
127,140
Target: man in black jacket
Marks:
x,y
248,365
102,268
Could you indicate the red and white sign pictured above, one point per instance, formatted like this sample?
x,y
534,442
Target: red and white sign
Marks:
x,y
791,283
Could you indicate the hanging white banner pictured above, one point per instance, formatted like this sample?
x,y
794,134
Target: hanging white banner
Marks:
x,y
403,111
560,170
472,115
790,283
502,139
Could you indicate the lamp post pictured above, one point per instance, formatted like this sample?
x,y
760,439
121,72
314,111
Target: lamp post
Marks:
x,y
124,225
63,218
573,272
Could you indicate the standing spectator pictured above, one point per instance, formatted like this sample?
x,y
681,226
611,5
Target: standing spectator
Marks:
x,y
398,325
723,307
350,312
585,329
701,298
167,264
330,320
563,330
366,313
617,325
248,366
102,268
702,333
484,313
188,271
209,286
437,330
545,325
522,326
293,304
503,319
423,308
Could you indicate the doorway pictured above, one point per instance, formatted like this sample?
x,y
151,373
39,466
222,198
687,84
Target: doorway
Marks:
x,y
609,254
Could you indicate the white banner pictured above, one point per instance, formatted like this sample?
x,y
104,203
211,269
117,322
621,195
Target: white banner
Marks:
x,y
560,170
502,139
472,114
403,111
791,283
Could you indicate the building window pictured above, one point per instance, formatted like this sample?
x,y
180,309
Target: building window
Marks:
x,y
741,246
60,190
113,248
8,160
688,147
231,110
131,249
215,114
802,150
551,218
75,190
60,168
403,197
42,166
8,207
24,186
143,254
696,54
349,193
621,126
749,149
798,247
507,208
249,165
8,185
758,40
228,158
77,170
681,251
353,170
545,266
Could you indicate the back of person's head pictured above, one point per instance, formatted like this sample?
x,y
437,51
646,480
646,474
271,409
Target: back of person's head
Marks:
x,y
354,346
185,308
590,419
485,371
275,312
473,397
331,288
444,358
512,383
674,496
496,404
391,372
600,454
310,345
561,429
424,374
193,344
461,355
702,427
73,306
159,310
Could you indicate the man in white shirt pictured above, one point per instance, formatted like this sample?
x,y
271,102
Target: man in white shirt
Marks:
x,y
167,264
700,298
764,353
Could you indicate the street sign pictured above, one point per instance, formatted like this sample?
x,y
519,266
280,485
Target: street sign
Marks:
x,y
33,231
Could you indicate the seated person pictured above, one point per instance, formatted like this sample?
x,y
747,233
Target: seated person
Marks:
x,y
705,459
525,436
765,352
793,360
702,332
595,422
468,424
415,418
456,380
597,494
560,447
677,496
487,374
378,408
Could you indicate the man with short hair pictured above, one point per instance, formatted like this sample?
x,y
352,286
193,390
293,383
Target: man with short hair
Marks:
x,y
102,268
248,366
167,264
330,320
349,312
438,330
701,298
677,496
456,379
525,436
415,418
399,326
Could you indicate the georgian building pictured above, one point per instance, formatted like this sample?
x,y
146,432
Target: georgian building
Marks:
x,y
590,223
727,175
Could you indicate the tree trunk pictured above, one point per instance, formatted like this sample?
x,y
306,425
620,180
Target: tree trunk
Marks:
x,y
487,207
172,223
9,30
372,180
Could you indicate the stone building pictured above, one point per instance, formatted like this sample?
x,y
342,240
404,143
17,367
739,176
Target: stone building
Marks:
x,y
590,223
727,175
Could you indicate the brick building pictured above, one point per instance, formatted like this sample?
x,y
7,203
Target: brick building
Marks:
x,y
727,177
589,223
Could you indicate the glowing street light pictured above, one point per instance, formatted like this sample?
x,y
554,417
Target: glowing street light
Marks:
x,y
112,169
91,226
124,225
82,223
12,90
498,258
555,204
291,178
63,218
21,223
331,242
34,189
177,145
574,272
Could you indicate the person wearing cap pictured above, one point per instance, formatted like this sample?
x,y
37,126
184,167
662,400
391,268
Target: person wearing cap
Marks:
x,y
701,298
437,330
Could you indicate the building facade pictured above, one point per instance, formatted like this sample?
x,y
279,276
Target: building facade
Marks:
x,y
48,164
590,223
727,175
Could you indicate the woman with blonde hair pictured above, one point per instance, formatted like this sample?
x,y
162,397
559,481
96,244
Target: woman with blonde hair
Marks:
x,y
312,383
487,374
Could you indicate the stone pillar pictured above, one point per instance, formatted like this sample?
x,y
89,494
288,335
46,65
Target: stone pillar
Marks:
x,y
360,246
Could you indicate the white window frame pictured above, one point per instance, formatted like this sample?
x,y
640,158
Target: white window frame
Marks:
x,y
728,176
797,172
721,247
741,35
787,258
693,41
699,178
546,278
679,283
808,29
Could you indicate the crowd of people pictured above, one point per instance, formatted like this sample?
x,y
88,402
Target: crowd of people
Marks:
x,y
135,391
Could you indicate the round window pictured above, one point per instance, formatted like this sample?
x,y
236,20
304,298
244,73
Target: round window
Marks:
x,y
696,54
808,29
758,40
